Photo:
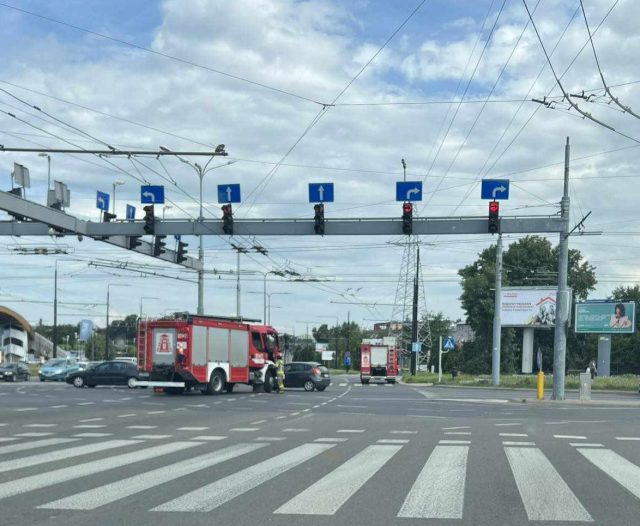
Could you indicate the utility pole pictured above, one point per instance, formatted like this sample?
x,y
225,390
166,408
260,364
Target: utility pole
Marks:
x,y
348,331
497,322
106,331
562,301
237,285
55,310
414,320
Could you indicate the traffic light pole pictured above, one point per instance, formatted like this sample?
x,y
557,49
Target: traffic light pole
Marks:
x,y
562,301
200,309
497,322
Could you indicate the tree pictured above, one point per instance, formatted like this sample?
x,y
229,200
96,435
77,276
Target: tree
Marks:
x,y
530,261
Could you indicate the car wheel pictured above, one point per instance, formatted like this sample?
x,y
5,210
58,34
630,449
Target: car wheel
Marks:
x,y
269,381
131,383
309,385
78,381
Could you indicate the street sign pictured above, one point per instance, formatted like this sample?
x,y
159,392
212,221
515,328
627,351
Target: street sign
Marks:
x,y
102,201
152,195
228,193
416,347
408,190
449,344
321,192
131,212
495,189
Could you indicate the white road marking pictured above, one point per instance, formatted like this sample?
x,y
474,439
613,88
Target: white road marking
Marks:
x,y
269,439
93,435
402,432
472,400
57,476
353,406
215,494
281,417
90,426
127,415
94,498
7,439
350,431
545,495
152,437
192,428
24,446
258,422
331,440
295,414
86,420
584,444
209,438
156,412
34,434
25,409
62,454
617,467
628,438
571,437
327,496
413,415
517,443
392,441
456,427
512,424
343,384
513,435
457,433
87,403
438,492
142,427
40,425
294,430
244,429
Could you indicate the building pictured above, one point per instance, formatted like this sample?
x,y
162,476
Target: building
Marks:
x,y
18,340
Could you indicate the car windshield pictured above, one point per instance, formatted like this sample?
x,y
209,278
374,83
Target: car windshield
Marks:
x,y
55,363
8,366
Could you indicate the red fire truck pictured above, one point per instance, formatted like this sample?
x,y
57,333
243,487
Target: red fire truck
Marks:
x,y
210,353
379,361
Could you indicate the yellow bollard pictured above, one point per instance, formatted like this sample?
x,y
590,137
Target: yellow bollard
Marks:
x,y
540,385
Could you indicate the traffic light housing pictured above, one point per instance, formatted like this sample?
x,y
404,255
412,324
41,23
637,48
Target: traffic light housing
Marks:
x,y
159,245
149,219
107,217
318,219
227,219
494,217
134,242
407,218
182,252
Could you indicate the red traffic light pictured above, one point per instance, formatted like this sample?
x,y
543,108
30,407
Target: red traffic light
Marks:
x,y
407,208
494,207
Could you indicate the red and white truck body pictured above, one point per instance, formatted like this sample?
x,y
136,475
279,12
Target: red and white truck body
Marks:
x,y
379,361
209,353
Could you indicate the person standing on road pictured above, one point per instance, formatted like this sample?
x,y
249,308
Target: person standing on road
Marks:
x,y
593,369
280,372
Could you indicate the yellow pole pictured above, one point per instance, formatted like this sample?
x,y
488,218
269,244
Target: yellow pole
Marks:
x,y
540,385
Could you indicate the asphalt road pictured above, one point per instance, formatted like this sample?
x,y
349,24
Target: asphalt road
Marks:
x,y
348,456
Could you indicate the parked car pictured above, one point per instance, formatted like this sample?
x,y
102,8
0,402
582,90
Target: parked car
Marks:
x,y
310,375
128,359
107,373
57,368
10,372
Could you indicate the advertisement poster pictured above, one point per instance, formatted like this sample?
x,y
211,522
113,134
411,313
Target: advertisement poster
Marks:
x,y
524,307
607,317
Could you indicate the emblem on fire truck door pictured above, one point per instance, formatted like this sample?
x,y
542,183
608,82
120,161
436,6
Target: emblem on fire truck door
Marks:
x,y
164,345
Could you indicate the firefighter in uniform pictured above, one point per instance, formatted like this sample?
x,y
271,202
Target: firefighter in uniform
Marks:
x,y
280,372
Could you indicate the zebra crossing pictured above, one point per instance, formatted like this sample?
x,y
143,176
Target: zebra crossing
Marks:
x,y
436,491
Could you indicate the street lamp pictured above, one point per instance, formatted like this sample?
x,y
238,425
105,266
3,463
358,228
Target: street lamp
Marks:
x,y
106,332
201,171
117,182
264,300
267,320
164,209
48,172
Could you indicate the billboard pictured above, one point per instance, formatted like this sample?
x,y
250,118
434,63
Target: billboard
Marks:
x,y
86,330
527,307
606,317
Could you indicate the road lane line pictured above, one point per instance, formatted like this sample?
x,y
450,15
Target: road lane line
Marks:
x,y
571,437
402,432
62,454
209,438
517,443
331,440
327,496
192,429
457,433
617,467
513,434
142,427
51,478
545,495
211,496
631,439
392,441
453,442
456,427
244,429
505,425
34,434
584,444
40,425
90,426
93,435
294,430
24,446
152,437
350,431
94,498
269,439
438,492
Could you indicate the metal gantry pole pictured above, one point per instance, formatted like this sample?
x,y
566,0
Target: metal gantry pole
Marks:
x,y
238,286
264,299
201,256
497,322
562,301
55,311
106,332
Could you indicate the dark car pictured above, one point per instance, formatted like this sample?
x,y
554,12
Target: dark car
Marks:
x,y
106,373
10,372
310,375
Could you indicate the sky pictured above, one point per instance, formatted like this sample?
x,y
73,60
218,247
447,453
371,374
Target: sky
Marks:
x,y
314,91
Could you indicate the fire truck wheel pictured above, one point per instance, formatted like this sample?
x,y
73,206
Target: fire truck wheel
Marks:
x,y
229,387
269,381
216,383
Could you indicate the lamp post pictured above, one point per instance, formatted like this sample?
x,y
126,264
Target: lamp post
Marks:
x,y
48,172
106,332
267,319
264,293
164,209
201,171
117,182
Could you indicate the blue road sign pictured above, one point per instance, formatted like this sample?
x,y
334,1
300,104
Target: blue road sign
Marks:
x,y
416,346
449,344
102,201
228,193
409,191
495,189
131,212
152,195
321,192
